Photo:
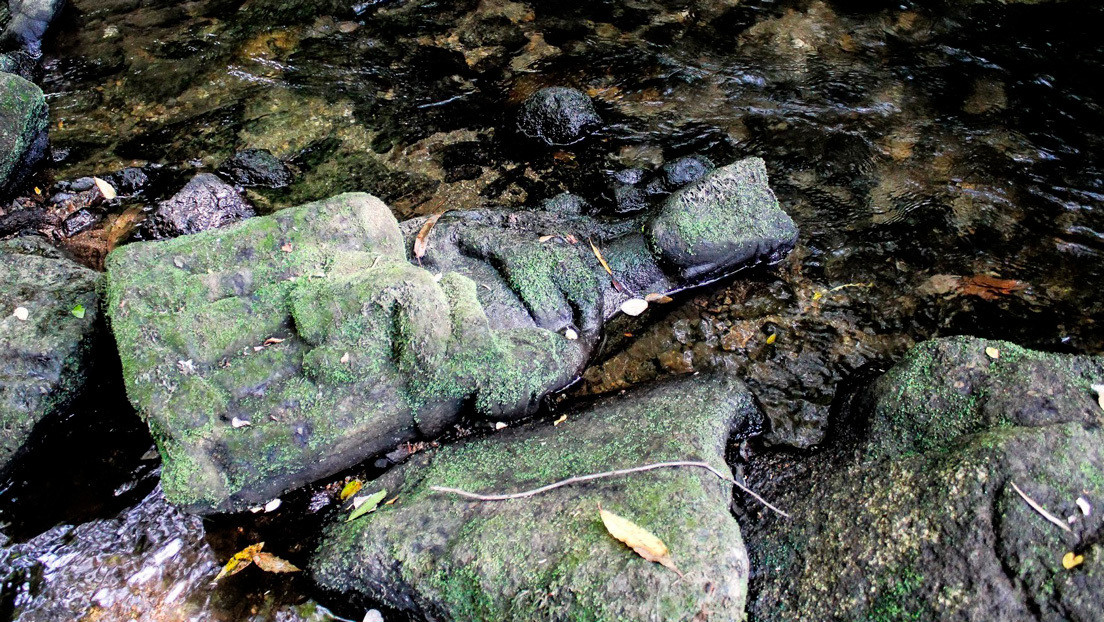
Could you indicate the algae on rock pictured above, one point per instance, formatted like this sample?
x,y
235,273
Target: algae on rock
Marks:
x,y
548,557
912,515
43,358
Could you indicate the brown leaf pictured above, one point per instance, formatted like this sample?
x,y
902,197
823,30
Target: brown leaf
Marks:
x,y
240,560
658,298
124,225
270,563
421,241
646,544
989,287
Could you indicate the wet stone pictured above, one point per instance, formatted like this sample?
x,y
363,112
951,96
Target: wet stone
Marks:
x,y
558,116
939,445
206,202
256,167
44,345
548,557
321,328
23,138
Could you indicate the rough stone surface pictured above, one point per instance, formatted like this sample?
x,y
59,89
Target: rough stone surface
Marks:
x,y
42,358
256,167
912,514
205,202
316,327
558,116
23,120
548,557
29,20
729,217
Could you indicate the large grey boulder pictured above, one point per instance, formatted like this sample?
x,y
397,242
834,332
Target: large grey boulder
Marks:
x,y
282,349
914,515
548,557
43,358
23,120
27,23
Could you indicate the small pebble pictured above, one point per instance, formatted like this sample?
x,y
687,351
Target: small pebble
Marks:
x,y
21,314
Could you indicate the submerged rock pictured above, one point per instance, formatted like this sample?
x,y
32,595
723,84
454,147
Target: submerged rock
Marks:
x,y
286,348
735,199
548,557
23,121
256,167
558,116
914,514
205,202
48,310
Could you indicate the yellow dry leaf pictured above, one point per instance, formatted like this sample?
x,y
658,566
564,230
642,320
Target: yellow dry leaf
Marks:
x,y
773,337
646,544
992,352
1071,561
658,298
106,189
240,560
270,563
560,420
351,489
601,259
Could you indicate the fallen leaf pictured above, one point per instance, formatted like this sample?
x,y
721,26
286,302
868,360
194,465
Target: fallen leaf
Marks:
x,y
392,500
366,504
638,539
38,190
571,239
992,352
1099,388
634,306
273,505
273,341
350,489
240,560
601,259
105,188
240,423
78,311
772,338
345,359
658,298
544,238
1084,506
500,426
560,420
21,314
571,334
124,225
422,240
988,287
270,563
287,248
818,296
1071,561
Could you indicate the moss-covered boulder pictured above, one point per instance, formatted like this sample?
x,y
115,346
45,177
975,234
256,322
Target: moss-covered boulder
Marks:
x,y
914,515
48,311
438,556
23,120
282,349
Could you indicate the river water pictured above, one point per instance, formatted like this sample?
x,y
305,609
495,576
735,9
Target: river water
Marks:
x,y
942,160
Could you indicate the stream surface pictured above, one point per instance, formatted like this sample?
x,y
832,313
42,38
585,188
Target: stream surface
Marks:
x,y
944,167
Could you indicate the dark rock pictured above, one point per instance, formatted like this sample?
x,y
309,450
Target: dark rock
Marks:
x,y
684,170
377,347
548,557
23,138
558,116
912,513
728,218
256,167
206,202
43,362
567,203
28,23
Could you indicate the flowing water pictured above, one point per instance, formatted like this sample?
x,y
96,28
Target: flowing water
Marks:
x,y
943,161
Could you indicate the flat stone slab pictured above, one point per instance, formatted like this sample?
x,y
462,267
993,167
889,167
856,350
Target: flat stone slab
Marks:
x,y
548,557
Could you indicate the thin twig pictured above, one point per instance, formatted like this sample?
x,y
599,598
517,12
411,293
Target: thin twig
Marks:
x,y
1038,508
593,476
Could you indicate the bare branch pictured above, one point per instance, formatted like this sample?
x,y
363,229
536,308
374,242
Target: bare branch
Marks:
x,y
593,476
1038,508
